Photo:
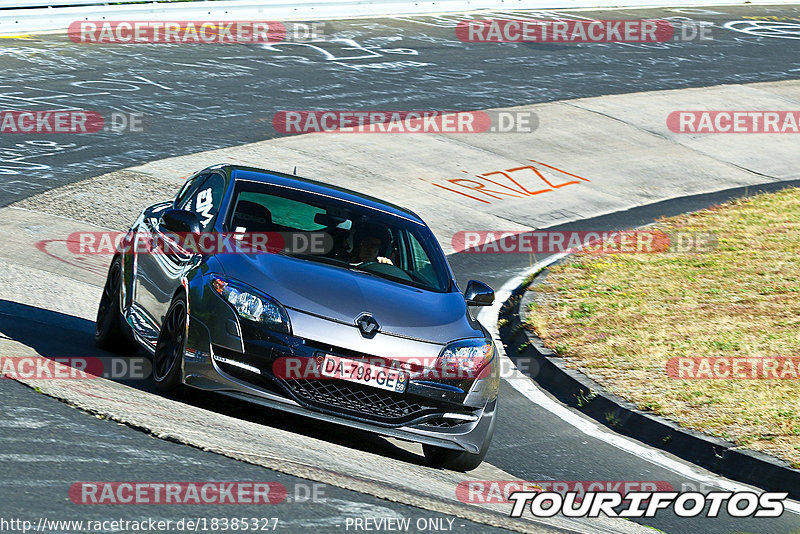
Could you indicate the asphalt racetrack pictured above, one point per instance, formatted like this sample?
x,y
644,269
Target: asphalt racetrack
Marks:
x,y
195,98
202,97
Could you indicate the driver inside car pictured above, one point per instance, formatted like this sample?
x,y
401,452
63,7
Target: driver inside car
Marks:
x,y
368,242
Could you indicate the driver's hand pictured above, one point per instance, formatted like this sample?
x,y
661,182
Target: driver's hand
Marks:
x,y
381,259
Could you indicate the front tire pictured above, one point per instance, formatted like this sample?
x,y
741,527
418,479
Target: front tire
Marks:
x,y
460,460
110,328
170,348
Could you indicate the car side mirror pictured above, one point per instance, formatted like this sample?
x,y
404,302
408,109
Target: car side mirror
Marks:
x,y
180,221
478,294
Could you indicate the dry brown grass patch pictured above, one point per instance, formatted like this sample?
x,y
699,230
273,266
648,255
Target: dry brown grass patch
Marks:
x,y
620,318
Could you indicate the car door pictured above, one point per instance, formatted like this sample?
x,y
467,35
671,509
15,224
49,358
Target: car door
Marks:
x,y
159,273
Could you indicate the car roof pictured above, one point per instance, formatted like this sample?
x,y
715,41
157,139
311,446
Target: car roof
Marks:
x,y
238,172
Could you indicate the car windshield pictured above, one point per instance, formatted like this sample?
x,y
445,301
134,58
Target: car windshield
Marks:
x,y
365,239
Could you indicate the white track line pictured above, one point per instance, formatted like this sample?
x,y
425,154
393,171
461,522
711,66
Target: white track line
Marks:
x,y
525,385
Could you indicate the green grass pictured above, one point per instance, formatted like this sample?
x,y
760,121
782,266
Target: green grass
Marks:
x,y
620,318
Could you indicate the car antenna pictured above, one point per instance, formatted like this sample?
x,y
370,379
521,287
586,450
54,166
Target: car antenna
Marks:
x,y
295,170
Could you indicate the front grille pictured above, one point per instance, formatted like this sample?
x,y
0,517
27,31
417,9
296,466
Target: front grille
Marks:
x,y
341,397
360,401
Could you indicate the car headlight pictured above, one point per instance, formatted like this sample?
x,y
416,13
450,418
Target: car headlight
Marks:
x,y
252,305
468,358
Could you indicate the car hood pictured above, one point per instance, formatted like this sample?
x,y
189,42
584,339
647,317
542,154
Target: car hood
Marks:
x,y
341,295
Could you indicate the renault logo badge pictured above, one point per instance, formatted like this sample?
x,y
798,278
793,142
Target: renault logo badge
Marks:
x,y
367,325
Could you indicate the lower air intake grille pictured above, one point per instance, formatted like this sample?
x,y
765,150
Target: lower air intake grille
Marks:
x,y
362,401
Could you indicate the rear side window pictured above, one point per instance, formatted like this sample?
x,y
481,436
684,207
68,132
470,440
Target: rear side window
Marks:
x,y
189,187
205,199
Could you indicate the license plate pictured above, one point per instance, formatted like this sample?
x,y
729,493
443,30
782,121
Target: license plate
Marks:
x,y
363,373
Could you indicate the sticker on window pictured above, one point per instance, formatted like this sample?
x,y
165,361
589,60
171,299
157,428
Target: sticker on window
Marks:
x,y
205,203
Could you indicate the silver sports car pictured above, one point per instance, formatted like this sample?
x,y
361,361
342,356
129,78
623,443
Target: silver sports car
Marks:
x,y
368,329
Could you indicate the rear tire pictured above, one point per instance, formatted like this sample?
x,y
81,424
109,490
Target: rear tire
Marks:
x,y
111,333
459,460
170,347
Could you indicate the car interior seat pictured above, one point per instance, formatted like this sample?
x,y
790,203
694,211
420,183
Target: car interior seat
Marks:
x,y
252,216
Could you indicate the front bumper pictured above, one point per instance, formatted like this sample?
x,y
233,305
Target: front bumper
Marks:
x,y
443,415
